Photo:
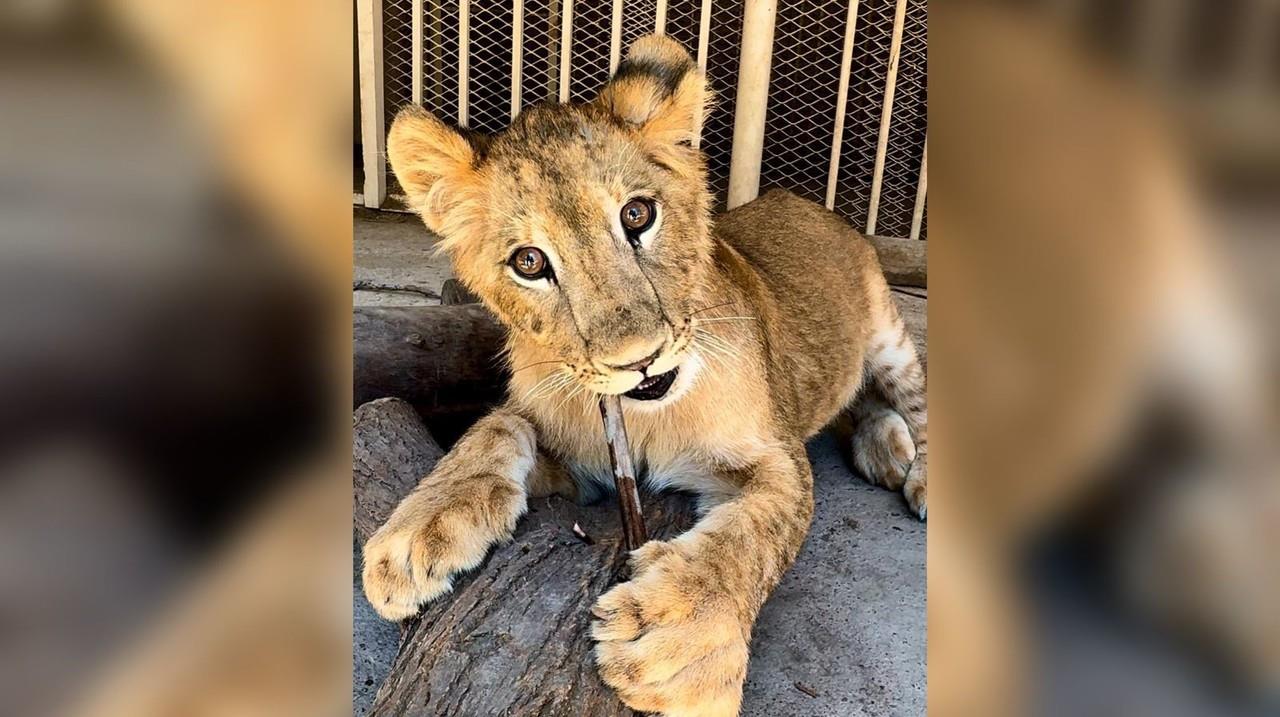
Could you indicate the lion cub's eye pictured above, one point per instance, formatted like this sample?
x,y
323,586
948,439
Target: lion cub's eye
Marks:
x,y
637,215
530,263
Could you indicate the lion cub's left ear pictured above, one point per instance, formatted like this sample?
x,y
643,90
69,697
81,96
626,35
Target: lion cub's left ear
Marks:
x,y
659,89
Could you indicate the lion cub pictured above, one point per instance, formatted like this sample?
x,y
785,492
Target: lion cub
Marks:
x,y
587,230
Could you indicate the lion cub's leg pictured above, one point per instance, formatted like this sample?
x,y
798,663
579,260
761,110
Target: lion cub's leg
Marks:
x,y
886,428
448,522
674,639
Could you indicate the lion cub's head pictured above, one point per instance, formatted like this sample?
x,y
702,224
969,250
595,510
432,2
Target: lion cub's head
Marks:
x,y
584,227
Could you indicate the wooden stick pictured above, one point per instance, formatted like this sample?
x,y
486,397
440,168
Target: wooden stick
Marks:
x,y
624,472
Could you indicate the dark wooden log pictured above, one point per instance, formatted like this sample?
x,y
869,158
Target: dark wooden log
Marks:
x,y
904,261
452,293
513,637
444,360
391,451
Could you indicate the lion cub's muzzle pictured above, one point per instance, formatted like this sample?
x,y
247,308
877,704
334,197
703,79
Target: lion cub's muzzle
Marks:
x,y
644,371
654,388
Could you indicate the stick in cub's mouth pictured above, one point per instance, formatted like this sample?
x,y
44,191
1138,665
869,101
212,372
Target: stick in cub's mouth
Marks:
x,y
624,472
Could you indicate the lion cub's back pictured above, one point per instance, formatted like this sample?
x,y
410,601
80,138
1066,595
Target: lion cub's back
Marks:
x,y
823,278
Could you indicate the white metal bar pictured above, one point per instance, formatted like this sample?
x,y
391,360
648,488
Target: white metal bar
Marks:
x,y
704,41
752,102
553,51
464,59
372,124
704,34
566,44
660,19
922,189
886,116
615,38
517,56
842,101
417,52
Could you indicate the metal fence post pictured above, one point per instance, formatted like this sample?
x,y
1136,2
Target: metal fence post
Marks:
x,y
752,101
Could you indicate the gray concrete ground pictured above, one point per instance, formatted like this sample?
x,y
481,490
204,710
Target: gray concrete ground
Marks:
x,y
392,248
847,624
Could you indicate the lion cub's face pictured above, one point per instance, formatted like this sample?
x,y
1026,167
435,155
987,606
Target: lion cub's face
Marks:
x,y
585,228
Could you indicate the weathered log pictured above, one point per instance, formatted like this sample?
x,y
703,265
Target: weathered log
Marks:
x,y
513,637
904,261
444,360
452,293
391,451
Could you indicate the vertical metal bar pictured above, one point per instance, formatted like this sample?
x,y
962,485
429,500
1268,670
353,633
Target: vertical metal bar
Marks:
x,y
433,29
417,52
615,38
704,41
660,19
566,45
464,59
372,123
517,56
842,102
752,102
553,51
886,116
922,189
704,34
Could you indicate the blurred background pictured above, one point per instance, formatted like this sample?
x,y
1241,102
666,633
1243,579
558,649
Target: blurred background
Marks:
x,y
173,215
1102,357
175,246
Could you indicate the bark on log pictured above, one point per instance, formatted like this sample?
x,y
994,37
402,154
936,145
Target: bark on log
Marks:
x,y
453,293
442,359
904,261
391,451
513,636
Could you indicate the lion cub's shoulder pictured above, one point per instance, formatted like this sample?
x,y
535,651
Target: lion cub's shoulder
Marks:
x,y
788,239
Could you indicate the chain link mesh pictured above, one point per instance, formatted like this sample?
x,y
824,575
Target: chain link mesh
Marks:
x,y
808,41
868,74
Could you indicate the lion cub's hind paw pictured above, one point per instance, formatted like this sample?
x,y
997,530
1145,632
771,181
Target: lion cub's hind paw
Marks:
x,y
916,492
883,450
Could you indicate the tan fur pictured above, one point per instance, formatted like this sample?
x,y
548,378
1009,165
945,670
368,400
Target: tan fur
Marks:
x,y
770,318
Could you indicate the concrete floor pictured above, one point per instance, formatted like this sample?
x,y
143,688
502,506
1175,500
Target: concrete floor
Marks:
x,y
848,621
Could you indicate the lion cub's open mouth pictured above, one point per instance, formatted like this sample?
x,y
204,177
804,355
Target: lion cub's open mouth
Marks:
x,y
654,387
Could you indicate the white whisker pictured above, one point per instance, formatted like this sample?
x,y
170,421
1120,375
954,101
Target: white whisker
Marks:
x,y
725,318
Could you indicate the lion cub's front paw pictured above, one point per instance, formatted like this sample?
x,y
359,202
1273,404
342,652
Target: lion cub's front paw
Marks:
x,y
670,640
413,558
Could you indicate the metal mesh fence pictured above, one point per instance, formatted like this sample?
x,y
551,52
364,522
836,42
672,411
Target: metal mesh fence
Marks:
x,y
868,76
489,89
907,130
808,41
805,77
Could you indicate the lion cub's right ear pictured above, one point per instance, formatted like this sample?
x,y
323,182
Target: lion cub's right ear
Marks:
x,y
432,161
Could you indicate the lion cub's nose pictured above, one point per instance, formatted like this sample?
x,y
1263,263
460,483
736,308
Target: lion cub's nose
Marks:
x,y
640,365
